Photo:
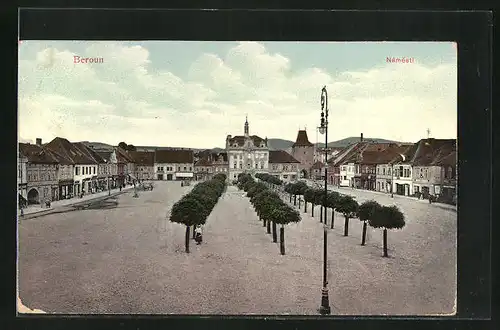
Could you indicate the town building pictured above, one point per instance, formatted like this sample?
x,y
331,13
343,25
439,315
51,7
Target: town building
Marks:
x,y
86,179
283,166
208,163
317,171
174,165
246,153
41,170
125,167
434,168
144,164
22,178
303,150
108,168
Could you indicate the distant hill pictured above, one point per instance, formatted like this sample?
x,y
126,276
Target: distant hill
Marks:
x,y
279,144
351,140
273,143
98,145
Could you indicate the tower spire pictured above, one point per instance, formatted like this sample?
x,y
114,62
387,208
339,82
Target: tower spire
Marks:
x,y
246,126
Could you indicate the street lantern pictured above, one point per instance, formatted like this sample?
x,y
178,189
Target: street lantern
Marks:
x,y
323,129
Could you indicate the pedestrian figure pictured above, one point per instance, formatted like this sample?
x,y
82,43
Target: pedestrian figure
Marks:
x,y
198,236
22,210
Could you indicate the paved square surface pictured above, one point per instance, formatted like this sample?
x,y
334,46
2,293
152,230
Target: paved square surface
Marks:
x,y
126,257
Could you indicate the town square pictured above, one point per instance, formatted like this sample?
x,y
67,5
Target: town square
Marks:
x,y
253,205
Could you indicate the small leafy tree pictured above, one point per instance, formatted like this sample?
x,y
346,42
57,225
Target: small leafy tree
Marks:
x,y
257,187
349,208
387,217
319,200
123,145
289,190
189,211
366,212
284,214
332,200
299,189
309,198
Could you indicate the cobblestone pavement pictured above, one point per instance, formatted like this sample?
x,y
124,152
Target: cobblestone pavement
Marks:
x,y
131,259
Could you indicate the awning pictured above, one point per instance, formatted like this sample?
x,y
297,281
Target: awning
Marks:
x,y
184,175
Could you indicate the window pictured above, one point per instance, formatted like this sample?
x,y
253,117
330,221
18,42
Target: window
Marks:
x,y
275,167
77,170
261,166
178,168
345,177
285,176
234,176
94,170
235,165
293,177
190,168
389,171
184,168
241,165
256,165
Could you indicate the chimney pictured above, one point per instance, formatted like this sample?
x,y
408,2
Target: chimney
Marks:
x,y
361,138
39,142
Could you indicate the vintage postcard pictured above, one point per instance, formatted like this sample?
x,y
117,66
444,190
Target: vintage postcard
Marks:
x,y
243,178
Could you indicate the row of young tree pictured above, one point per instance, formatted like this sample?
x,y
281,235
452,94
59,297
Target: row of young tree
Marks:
x,y
270,208
370,212
194,208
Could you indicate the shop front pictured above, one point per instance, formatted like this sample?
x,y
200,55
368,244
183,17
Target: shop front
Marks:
x,y
184,176
66,188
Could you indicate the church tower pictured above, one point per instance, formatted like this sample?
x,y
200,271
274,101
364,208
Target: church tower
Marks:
x,y
303,151
246,127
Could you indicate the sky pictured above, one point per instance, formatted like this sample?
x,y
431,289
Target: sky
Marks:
x,y
195,93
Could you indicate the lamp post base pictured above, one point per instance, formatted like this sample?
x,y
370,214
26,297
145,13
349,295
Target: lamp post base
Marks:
x,y
325,304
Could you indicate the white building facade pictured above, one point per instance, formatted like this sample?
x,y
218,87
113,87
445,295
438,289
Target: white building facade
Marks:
x,y
246,154
347,172
402,179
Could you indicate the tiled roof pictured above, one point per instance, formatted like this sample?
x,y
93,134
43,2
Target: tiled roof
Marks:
x,y
449,160
318,166
144,158
302,140
37,154
70,151
203,162
106,155
89,152
345,155
428,152
377,153
281,156
240,140
173,156
122,157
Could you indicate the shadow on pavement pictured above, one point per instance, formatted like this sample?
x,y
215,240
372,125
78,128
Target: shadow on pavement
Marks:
x,y
103,204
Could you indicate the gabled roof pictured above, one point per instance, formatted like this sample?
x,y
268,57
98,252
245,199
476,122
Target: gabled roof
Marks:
x,y
96,158
174,156
373,153
144,158
72,152
240,140
203,162
106,155
345,155
122,156
281,157
37,154
428,152
302,140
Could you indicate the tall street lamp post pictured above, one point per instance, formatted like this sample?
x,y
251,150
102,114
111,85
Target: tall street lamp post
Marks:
x,y
323,129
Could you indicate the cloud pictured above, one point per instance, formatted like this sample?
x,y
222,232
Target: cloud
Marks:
x,y
128,98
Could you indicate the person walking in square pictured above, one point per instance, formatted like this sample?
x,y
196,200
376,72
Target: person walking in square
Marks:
x,y
198,235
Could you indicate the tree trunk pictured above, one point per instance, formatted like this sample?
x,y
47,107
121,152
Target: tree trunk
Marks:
x,y
333,217
346,226
385,243
282,240
290,198
363,238
264,223
312,209
193,231
268,227
321,213
305,207
275,238
299,202
187,239
294,200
